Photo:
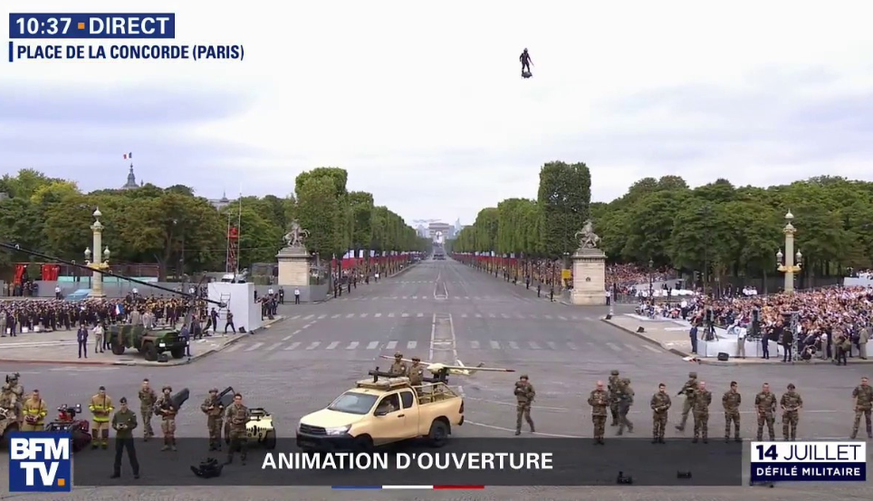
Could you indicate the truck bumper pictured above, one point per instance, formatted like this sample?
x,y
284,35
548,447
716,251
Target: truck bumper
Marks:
x,y
461,422
322,443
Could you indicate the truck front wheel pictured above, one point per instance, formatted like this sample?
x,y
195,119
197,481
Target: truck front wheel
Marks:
x,y
439,434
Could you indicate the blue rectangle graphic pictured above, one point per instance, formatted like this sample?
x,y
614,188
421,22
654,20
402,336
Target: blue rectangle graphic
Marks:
x,y
40,461
94,26
809,472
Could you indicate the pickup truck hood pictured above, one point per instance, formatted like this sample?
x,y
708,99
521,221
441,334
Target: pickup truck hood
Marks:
x,y
327,418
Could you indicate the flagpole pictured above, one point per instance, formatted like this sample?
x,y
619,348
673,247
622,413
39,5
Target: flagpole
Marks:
x,y
239,231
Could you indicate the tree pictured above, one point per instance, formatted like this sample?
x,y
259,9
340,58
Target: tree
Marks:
x,y
564,196
318,212
361,204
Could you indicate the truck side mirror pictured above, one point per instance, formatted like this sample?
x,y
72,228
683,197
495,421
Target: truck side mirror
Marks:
x,y
381,412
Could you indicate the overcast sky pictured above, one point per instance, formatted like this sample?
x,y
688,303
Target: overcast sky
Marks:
x,y
425,107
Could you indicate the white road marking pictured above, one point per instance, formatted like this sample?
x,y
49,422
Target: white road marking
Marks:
x,y
273,346
549,317
373,345
631,347
504,315
353,345
478,315
314,345
377,315
391,345
254,346
491,315
420,315
651,348
613,346
414,297
232,348
335,316
292,346
572,346
474,345
321,317
350,315
511,430
332,345
364,315
405,297
295,317
562,318
390,315
495,345
411,345
404,315
552,345
432,337
534,346
307,317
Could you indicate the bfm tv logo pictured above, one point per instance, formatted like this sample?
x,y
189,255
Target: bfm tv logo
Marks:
x,y
40,462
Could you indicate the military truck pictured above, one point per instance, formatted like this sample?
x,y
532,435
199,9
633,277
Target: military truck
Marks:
x,y
149,342
381,411
9,423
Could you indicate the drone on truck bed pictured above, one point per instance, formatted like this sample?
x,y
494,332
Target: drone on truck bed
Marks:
x,y
441,371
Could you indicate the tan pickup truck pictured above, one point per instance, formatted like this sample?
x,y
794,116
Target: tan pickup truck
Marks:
x,y
381,411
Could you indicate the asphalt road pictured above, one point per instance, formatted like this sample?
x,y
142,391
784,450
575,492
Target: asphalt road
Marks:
x,y
447,311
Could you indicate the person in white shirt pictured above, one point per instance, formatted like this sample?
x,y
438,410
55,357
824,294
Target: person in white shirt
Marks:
x,y
98,338
296,296
57,292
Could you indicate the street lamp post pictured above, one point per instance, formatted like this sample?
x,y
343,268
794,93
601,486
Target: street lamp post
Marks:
x,y
101,261
651,280
705,212
789,263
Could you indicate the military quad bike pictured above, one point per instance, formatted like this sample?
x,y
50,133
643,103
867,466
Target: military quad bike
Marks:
x,y
80,429
149,342
9,423
259,428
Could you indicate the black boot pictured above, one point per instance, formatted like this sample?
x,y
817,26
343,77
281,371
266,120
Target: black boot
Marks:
x,y
694,440
661,440
115,475
517,432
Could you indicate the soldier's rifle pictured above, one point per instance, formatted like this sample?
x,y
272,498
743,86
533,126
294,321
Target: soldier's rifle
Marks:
x,y
18,248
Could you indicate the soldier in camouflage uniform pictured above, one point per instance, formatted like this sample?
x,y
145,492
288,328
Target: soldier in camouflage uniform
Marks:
x,y
765,405
398,368
612,386
213,409
147,401
863,395
416,372
731,402
625,401
236,418
702,399
688,389
599,401
524,396
791,403
660,405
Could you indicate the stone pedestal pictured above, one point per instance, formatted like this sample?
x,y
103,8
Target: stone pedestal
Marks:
x,y
293,266
589,277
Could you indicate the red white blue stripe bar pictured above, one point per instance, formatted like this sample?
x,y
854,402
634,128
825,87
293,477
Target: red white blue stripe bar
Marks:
x,y
407,487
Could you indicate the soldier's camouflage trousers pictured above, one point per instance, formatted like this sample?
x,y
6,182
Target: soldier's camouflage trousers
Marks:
x,y
789,424
701,425
523,411
213,424
686,408
147,430
168,427
599,426
613,409
866,414
732,417
623,421
769,420
659,422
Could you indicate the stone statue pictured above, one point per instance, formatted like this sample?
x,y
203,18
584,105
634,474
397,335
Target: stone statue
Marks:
x,y
587,238
296,235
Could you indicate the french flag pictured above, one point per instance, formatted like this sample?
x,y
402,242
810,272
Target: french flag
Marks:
x,y
128,155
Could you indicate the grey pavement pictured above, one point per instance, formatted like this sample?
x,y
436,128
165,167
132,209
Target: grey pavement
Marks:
x,y
299,365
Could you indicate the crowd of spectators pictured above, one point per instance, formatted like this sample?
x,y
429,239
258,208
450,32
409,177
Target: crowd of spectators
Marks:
x,y
628,278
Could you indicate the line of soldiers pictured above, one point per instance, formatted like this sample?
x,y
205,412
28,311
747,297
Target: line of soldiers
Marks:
x,y
414,372
618,397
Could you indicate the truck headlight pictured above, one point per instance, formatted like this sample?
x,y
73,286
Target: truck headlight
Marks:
x,y
162,345
340,430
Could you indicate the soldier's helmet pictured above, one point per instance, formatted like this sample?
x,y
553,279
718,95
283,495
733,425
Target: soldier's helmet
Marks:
x,y
123,400
626,380
166,388
523,376
614,372
416,359
398,355
213,390
791,386
692,375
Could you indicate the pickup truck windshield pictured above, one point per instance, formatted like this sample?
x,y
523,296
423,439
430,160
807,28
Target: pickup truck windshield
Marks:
x,y
352,402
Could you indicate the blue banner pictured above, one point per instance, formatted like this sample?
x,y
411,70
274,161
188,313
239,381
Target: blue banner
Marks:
x,y
92,26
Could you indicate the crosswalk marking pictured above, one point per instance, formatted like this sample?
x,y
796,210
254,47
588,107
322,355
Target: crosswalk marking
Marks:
x,y
463,315
631,347
373,345
353,345
495,345
552,345
332,345
504,315
533,345
651,348
572,346
390,315
350,315
391,345
377,315
234,348
286,338
478,315
519,315
513,345
273,346
321,317
562,318
613,346
533,316
420,315
292,346
405,297
335,316
295,317
549,317
474,345
404,315
414,297
411,345
491,315
254,346
363,315
314,345
307,317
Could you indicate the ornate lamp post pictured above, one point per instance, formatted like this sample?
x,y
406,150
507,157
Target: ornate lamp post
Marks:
x,y
651,280
100,263
789,263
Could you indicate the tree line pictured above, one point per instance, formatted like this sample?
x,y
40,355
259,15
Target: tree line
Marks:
x,y
173,226
717,229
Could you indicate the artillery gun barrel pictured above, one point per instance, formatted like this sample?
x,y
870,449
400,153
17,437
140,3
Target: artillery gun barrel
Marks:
x,y
24,250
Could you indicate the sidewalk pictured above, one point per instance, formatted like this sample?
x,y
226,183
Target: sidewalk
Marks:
x,y
673,337
563,298
60,347
330,296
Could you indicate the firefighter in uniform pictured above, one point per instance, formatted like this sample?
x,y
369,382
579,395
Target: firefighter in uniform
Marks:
x,y
34,411
101,407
